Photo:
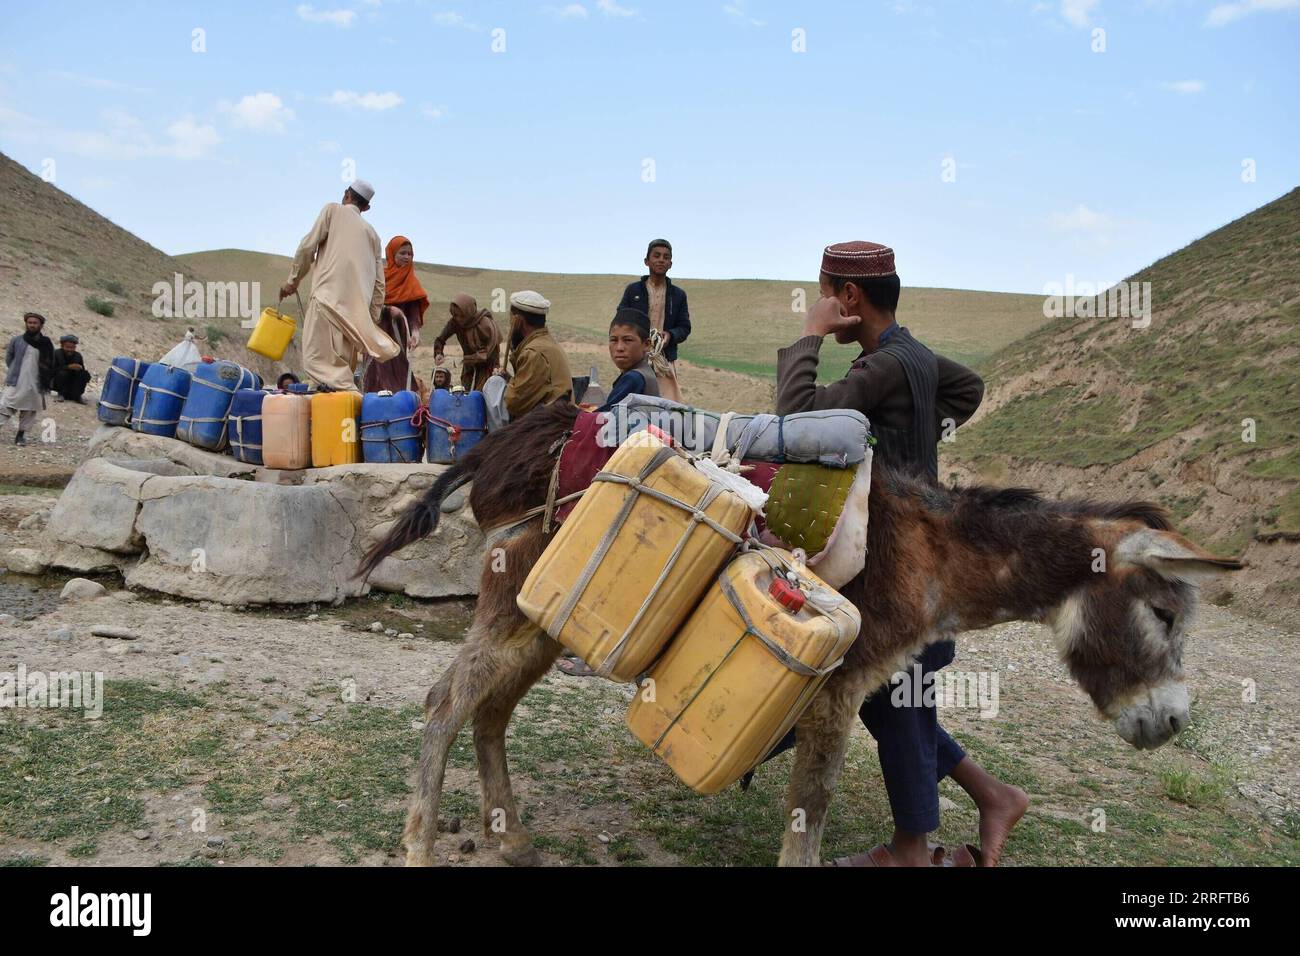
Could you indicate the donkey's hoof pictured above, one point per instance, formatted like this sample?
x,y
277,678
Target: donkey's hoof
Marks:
x,y
525,855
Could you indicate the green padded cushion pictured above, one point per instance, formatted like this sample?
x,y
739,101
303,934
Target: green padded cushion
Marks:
x,y
804,503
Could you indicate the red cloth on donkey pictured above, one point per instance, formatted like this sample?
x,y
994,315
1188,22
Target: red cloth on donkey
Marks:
x,y
584,455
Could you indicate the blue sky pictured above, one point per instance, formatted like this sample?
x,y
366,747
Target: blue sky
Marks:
x,y
1067,161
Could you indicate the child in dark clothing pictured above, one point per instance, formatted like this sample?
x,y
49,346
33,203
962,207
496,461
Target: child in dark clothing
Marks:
x,y
629,349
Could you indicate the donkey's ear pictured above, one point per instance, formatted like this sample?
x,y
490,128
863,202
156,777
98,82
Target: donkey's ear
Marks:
x,y
1170,554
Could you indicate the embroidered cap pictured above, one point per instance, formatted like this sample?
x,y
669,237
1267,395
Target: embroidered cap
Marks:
x,y
858,260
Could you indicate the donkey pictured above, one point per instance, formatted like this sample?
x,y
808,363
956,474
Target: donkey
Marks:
x,y
1113,581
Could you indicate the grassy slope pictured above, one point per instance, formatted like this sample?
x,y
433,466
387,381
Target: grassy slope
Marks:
x,y
1222,348
55,252
738,324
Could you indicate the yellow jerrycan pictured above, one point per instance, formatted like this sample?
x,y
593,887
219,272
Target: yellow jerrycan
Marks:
x,y
273,332
629,564
335,428
742,669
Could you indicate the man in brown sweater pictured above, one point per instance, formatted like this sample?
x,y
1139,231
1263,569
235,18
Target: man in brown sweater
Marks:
x,y
911,396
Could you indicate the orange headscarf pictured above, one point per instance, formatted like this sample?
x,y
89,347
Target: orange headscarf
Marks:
x,y
400,283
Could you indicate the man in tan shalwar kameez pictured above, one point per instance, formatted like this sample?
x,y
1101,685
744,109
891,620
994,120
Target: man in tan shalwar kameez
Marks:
x,y
347,292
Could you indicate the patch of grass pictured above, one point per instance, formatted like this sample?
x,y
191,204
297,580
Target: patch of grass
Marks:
x,y
115,287
214,335
24,859
572,849
1195,789
85,774
95,304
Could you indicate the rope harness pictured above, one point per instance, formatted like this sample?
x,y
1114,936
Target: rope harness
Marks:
x,y
147,391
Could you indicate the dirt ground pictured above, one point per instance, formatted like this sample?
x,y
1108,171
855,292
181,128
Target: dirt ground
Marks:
x,y
256,736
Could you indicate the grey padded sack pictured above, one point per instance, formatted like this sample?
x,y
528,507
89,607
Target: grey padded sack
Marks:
x,y
834,437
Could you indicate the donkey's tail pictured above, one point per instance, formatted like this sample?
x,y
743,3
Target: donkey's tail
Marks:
x,y
421,518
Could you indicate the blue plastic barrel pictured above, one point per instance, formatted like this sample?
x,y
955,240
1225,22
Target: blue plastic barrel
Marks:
x,y
457,422
246,425
159,398
116,396
203,416
388,432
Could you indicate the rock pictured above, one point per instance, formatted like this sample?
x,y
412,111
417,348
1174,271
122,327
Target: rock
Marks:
x,y
453,857
313,617
35,521
216,841
390,632
7,619
603,837
946,805
405,636
453,826
467,846
279,717
24,561
454,501
120,633
82,589
141,834
376,627
63,634
208,530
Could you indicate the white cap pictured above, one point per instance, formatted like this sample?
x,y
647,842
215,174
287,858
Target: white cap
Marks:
x,y
530,302
363,189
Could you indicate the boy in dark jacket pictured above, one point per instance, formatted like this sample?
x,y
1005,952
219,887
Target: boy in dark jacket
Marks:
x,y
656,296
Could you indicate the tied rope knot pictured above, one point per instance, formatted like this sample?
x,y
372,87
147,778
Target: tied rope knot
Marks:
x,y
661,366
423,417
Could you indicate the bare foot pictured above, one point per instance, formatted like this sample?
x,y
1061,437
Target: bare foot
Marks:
x,y
1000,810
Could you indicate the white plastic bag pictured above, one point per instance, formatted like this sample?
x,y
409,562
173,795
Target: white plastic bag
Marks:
x,y
185,355
494,395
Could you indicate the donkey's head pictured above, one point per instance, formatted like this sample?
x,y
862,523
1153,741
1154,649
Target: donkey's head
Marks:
x,y
1121,635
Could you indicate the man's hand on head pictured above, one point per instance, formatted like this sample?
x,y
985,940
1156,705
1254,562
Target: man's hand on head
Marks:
x,y
827,317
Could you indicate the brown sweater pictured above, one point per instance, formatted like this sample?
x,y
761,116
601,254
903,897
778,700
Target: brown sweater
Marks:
x,y
878,389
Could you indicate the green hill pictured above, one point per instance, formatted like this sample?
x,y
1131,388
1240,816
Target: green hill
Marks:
x,y
1169,409
737,324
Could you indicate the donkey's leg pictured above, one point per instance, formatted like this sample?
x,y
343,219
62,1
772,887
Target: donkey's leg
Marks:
x,y
823,737
534,653
481,669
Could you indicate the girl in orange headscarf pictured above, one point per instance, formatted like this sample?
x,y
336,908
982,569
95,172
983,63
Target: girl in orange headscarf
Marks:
x,y
405,302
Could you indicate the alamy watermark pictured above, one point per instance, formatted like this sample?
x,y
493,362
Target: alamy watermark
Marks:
x,y
206,300
50,690
1098,300
974,689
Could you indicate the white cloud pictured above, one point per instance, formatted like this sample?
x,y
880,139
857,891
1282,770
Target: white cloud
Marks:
x,y
95,82
1184,87
736,10
1225,13
124,139
366,101
190,139
1082,219
449,18
571,11
1078,13
264,111
434,112
612,9
338,18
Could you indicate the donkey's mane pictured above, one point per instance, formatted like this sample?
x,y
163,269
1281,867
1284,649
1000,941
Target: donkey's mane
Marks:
x,y
987,498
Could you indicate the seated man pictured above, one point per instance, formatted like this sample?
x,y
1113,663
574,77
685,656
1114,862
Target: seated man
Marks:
x,y
539,370
70,375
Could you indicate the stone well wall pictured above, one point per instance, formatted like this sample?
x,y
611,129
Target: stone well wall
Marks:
x,y
183,521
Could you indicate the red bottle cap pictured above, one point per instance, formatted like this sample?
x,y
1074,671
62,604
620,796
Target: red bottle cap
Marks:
x,y
786,594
